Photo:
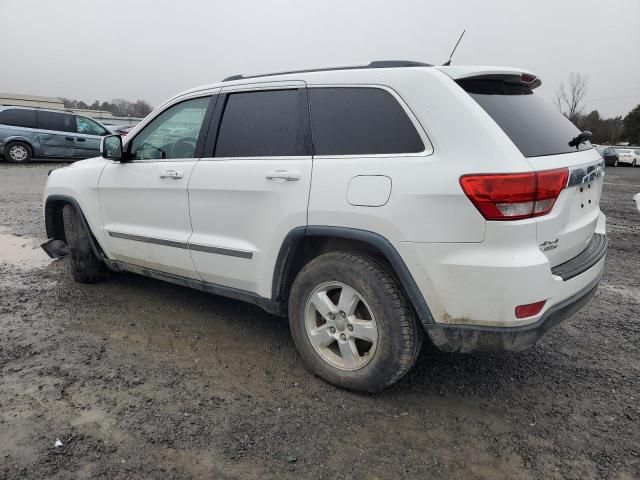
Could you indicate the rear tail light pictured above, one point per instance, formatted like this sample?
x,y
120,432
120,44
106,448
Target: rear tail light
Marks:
x,y
513,196
529,310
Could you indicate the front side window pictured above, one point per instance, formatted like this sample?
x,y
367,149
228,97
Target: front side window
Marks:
x,y
264,123
360,121
58,122
18,117
172,134
89,127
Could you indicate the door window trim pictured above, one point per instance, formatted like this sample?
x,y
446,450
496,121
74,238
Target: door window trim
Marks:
x,y
420,130
213,94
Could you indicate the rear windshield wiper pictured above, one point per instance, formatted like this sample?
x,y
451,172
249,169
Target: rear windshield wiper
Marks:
x,y
580,138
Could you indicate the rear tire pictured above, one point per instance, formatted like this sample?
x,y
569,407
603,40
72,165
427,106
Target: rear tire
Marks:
x,y
370,346
18,152
85,266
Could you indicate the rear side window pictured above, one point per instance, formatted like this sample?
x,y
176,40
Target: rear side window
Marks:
x,y
360,121
59,122
17,117
264,123
532,123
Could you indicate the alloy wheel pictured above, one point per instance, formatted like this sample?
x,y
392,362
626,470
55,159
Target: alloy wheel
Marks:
x,y
18,153
341,326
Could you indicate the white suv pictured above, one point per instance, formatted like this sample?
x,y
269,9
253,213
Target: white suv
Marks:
x,y
370,204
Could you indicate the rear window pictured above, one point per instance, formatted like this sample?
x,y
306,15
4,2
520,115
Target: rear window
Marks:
x,y
360,121
18,117
532,123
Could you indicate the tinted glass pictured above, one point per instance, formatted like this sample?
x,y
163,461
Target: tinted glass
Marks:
x,y
267,123
532,124
360,121
89,127
18,117
172,134
59,122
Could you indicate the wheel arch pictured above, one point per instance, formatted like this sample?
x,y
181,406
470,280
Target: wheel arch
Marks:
x,y
302,244
54,225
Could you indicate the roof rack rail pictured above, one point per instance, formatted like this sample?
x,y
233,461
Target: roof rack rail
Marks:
x,y
374,64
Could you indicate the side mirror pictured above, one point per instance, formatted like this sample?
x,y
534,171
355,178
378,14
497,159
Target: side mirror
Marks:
x,y
111,147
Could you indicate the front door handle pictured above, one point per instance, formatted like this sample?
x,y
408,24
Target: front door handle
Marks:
x,y
71,139
175,174
81,139
285,175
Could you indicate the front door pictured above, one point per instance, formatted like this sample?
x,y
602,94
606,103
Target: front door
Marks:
x,y
88,136
144,201
253,188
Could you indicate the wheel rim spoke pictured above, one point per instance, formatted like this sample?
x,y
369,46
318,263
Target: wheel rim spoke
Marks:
x,y
364,330
349,353
348,300
320,336
323,304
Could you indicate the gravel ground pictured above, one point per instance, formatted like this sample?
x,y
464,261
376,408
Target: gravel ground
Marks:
x,y
142,379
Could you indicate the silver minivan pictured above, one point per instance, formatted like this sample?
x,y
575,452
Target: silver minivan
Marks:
x,y
33,132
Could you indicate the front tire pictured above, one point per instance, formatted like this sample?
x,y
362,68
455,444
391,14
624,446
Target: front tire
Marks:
x,y
18,152
351,322
85,266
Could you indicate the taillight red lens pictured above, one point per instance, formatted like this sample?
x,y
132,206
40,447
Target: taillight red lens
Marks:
x,y
513,196
529,310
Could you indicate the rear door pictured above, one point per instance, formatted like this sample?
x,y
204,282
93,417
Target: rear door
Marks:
x,y
544,136
144,201
252,186
89,133
57,133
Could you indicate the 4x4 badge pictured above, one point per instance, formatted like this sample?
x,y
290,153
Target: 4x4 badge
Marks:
x,y
549,245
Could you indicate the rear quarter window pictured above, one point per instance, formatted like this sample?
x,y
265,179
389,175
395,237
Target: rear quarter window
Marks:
x,y
18,117
360,121
533,124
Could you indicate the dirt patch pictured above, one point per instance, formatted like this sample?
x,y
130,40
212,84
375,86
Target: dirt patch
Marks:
x,y
142,379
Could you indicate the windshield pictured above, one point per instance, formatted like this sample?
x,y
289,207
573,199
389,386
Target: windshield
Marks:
x,y
532,123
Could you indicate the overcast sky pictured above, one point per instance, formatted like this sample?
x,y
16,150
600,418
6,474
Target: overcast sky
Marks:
x,y
153,49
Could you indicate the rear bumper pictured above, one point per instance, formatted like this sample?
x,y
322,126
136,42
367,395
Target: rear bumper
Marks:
x,y
469,338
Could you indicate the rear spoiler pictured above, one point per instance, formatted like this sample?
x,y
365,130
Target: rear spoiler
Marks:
x,y
516,76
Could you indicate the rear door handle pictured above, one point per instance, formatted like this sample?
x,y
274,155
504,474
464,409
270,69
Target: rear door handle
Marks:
x,y
81,139
285,175
175,174
71,139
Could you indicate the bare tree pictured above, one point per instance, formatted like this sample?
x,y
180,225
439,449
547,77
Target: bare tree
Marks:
x,y
569,96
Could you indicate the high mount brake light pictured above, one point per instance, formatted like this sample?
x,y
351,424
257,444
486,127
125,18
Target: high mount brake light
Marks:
x,y
527,78
514,196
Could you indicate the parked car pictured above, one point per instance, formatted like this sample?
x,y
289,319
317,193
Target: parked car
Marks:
x,y
30,132
120,129
609,155
628,156
372,205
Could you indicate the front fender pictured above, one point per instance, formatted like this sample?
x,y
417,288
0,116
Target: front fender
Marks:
x,y
76,184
